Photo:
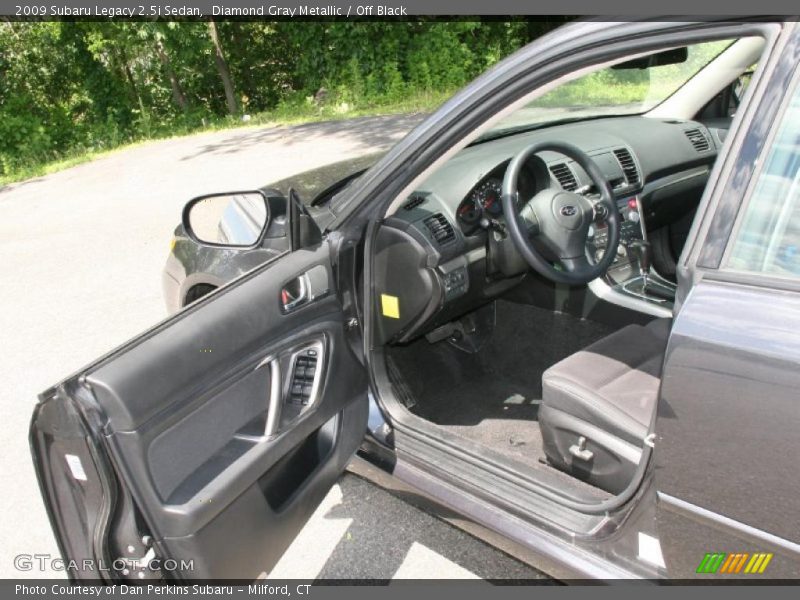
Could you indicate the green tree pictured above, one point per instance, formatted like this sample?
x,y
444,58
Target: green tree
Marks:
x,y
70,87
222,68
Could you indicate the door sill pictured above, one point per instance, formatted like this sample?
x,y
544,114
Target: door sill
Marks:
x,y
560,558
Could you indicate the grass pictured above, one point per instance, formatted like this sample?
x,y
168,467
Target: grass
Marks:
x,y
288,114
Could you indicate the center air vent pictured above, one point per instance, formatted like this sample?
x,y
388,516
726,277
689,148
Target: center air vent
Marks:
x,y
440,228
565,176
698,139
628,166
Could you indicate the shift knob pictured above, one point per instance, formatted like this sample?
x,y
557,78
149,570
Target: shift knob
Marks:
x,y
642,251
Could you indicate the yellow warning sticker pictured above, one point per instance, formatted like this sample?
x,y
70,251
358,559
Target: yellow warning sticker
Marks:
x,y
390,305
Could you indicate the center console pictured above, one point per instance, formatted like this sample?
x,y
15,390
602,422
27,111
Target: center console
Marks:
x,y
631,275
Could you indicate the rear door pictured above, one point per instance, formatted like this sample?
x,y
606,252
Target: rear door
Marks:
x,y
729,413
199,449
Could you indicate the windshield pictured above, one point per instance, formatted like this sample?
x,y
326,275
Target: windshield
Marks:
x,y
612,91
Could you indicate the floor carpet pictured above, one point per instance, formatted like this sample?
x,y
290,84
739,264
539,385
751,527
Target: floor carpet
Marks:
x,y
492,396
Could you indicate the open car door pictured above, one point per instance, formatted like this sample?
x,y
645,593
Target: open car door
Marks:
x,y
199,449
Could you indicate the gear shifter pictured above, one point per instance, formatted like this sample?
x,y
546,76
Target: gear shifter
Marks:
x,y
642,251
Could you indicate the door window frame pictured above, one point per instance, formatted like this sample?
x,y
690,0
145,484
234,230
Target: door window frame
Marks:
x,y
526,72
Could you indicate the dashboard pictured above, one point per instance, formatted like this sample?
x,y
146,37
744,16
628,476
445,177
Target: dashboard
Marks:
x,y
657,169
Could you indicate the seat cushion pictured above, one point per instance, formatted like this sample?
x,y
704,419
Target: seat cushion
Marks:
x,y
612,384
597,405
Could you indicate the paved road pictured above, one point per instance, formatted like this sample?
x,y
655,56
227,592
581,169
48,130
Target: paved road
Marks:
x,y
82,252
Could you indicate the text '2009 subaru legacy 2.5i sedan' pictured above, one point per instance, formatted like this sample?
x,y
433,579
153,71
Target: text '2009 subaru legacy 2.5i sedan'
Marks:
x,y
566,307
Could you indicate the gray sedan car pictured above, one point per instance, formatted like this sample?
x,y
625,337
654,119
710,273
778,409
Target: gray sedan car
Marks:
x,y
193,270
576,334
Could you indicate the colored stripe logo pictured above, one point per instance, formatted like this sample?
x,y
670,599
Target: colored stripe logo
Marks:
x,y
734,563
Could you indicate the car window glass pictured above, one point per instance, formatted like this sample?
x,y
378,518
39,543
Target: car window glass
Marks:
x,y
624,89
768,239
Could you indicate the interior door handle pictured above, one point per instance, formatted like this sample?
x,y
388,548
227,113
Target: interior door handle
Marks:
x,y
304,288
295,293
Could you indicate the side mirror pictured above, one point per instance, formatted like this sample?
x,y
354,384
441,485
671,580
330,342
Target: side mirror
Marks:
x,y
232,219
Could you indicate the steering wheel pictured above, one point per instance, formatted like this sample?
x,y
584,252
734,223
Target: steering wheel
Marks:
x,y
561,219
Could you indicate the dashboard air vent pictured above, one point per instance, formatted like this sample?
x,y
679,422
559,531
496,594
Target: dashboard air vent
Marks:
x,y
565,176
440,228
698,139
628,166
413,202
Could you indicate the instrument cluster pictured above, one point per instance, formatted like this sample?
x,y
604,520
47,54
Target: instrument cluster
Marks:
x,y
484,200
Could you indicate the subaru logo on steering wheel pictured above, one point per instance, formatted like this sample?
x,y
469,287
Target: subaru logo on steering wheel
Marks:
x,y
568,210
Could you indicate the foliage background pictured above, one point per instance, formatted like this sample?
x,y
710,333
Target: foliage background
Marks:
x,y
73,88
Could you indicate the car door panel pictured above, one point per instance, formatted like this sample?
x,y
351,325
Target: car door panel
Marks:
x,y
245,541
200,424
727,445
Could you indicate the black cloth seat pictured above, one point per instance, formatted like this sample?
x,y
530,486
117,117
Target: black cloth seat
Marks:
x,y
597,405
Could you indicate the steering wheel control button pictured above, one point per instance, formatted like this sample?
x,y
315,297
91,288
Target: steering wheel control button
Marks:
x,y
600,211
